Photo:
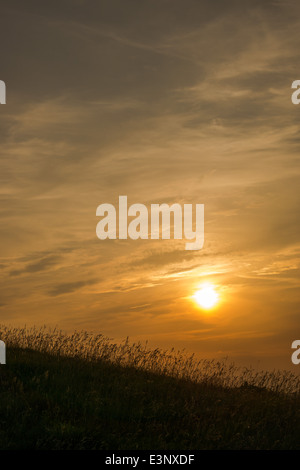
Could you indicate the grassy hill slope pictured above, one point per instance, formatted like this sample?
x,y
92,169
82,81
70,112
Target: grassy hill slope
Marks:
x,y
55,402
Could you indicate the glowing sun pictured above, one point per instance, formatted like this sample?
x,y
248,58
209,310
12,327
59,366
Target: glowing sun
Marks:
x,y
206,297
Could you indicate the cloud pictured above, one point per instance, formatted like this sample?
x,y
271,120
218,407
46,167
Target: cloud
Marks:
x,y
162,258
38,266
68,287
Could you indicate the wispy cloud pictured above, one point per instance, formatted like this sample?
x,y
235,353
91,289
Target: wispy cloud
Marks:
x,y
69,287
38,266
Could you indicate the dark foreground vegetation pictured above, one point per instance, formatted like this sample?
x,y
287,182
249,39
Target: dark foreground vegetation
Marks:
x,y
55,402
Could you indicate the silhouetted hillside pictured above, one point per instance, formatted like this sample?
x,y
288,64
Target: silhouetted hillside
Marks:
x,y
56,402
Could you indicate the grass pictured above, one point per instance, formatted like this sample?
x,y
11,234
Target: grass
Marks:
x,y
83,392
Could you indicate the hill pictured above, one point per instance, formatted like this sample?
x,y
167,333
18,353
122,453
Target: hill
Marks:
x,y
51,401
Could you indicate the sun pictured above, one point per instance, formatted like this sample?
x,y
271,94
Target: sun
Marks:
x,y
206,297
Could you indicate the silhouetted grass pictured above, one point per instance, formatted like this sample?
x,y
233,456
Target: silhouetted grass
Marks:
x,y
55,400
178,364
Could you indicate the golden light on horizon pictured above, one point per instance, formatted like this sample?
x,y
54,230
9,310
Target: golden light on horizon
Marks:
x,y
206,297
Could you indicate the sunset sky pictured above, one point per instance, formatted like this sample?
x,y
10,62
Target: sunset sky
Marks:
x,y
164,101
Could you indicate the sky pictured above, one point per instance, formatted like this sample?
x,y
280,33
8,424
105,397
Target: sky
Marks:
x,y
165,102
